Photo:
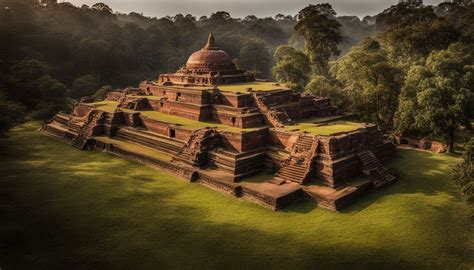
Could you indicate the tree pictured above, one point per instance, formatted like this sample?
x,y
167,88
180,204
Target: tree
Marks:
x,y
11,113
463,172
219,17
101,94
292,66
322,86
371,83
102,8
30,83
404,14
255,57
97,53
437,97
84,86
321,33
411,44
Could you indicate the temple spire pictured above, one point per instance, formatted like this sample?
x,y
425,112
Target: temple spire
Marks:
x,y
211,43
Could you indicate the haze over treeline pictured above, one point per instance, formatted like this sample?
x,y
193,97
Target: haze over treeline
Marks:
x,y
408,69
240,9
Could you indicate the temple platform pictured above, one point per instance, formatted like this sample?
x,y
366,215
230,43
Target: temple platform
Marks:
x,y
217,125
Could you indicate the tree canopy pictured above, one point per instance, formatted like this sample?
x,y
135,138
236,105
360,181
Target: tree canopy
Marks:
x,y
316,23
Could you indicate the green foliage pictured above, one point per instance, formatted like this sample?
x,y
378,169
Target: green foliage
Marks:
x,y
404,14
11,113
463,172
255,57
321,33
412,44
101,94
322,86
84,86
292,66
370,82
437,97
30,83
102,8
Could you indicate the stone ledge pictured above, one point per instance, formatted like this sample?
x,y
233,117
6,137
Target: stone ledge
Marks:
x,y
272,196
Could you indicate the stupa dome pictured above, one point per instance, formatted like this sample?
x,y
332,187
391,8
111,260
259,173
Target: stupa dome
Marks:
x,y
210,58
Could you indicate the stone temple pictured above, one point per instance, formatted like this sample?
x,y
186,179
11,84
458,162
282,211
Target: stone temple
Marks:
x,y
214,124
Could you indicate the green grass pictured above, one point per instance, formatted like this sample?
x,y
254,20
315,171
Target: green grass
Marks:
x,y
110,106
136,148
256,86
326,129
63,208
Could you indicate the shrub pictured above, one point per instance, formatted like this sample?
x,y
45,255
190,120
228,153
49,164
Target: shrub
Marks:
x,y
463,172
101,94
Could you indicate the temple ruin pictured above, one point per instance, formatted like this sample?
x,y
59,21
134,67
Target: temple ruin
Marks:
x,y
214,124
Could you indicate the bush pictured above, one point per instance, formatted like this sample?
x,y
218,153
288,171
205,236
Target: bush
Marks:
x,y
11,113
47,110
468,192
101,94
463,172
84,86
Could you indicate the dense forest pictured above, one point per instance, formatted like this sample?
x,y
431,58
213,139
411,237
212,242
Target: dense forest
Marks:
x,y
408,69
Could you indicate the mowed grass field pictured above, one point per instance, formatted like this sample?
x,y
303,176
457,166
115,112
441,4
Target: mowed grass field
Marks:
x,y
62,208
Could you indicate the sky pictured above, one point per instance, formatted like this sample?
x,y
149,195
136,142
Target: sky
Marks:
x,y
241,8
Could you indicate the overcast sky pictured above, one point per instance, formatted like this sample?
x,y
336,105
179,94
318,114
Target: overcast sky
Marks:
x,y
241,8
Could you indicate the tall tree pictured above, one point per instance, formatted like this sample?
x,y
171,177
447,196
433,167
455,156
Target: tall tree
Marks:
x,y
404,14
371,83
292,66
438,96
317,25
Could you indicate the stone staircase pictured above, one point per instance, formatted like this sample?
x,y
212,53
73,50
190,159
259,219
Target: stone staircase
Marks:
x,y
273,117
374,170
194,152
87,129
298,166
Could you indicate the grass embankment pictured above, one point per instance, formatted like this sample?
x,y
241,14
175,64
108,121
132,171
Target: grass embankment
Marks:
x,y
65,208
135,148
256,86
313,127
110,106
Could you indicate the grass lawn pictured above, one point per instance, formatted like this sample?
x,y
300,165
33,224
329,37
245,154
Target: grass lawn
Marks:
x,y
68,209
326,129
257,86
108,106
